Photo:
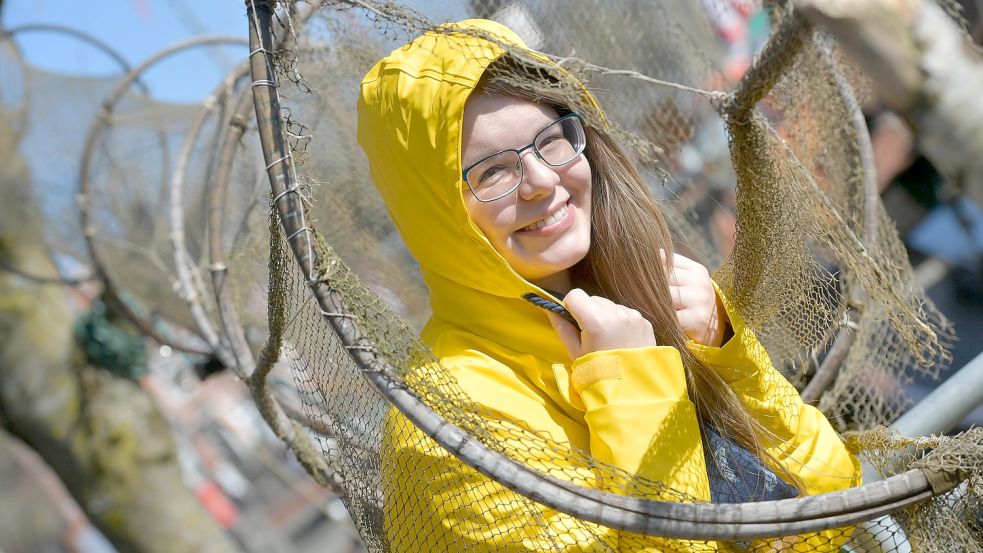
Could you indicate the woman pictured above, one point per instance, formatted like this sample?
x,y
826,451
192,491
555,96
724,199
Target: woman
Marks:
x,y
500,193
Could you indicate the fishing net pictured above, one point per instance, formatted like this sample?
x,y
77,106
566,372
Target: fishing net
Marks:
x,y
51,130
759,171
815,266
103,143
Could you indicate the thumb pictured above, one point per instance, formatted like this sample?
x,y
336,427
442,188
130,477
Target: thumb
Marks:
x,y
568,333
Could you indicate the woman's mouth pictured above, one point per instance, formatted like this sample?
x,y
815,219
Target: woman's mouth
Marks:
x,y
551,223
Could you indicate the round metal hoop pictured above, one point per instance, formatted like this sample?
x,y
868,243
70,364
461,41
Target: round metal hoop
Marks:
x,y
95,130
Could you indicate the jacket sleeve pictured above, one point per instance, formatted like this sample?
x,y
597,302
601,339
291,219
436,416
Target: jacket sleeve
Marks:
x,y
640,420
805,444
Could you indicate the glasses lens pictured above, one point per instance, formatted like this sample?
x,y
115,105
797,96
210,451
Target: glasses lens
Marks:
x,y
561,142
495,176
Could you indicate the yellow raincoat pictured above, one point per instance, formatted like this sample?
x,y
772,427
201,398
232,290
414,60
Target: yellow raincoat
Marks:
x,y
628,408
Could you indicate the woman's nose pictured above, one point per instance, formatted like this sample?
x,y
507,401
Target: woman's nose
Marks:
x,y
538,178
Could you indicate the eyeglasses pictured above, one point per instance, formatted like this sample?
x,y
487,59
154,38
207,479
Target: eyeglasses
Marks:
x,y
500,174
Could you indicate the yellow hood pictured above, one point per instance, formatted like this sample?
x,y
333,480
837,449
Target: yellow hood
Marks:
x,y
410,115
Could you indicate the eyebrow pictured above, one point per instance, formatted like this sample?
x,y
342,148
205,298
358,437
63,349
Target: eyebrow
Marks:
x,y
484,156
489,153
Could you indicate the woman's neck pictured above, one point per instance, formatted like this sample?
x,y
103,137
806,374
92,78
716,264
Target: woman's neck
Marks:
x,y
558,282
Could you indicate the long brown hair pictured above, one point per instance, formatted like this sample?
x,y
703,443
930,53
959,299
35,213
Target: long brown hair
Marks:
x,y
625,265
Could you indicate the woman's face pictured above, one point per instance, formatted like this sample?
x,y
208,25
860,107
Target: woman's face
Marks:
x,y
543,228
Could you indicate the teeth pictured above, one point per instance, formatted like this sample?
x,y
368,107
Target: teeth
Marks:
x,y
552,219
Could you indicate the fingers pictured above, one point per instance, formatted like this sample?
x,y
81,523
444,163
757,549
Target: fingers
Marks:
x,y
568,334
669,267
684,265
682,270
606,325
695,300
693,293
677,294
582,307
694,323
707,329
591,312
689,282
680,261
683,262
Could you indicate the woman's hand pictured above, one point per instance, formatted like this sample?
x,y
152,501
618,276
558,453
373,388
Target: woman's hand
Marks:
x,y
700,312
604,325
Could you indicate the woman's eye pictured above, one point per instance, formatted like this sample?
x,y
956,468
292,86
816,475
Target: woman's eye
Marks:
x,y
491,174
551,141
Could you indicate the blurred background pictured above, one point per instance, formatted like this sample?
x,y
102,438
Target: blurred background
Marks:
x,y
190,429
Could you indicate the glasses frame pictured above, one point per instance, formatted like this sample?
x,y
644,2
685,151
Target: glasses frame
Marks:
x,y
518,151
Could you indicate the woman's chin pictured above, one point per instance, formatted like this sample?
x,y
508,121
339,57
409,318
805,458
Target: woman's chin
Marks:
x,y
547,266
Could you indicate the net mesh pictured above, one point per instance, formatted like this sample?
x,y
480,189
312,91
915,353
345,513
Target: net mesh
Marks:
x,y
805,248
50,132
771,200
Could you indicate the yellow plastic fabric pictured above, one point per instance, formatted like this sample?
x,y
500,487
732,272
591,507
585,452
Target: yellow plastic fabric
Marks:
x,y
628,408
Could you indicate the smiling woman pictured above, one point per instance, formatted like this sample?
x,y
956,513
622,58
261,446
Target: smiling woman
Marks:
x,y
500,192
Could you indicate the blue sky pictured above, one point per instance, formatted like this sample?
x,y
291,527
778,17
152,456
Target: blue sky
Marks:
x,y
136,29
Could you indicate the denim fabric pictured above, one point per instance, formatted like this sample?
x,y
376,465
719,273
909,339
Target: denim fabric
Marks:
x,y
737,476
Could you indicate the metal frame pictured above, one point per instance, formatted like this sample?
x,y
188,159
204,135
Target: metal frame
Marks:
x,y
99,125
9,35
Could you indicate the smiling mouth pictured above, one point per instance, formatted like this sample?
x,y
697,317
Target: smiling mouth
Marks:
x,y
550,219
